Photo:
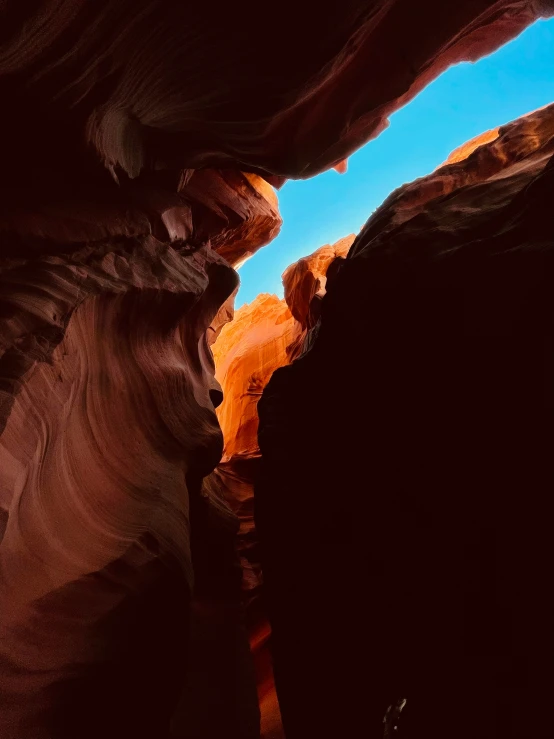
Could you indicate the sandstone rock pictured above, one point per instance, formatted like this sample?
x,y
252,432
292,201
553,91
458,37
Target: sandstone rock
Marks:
x,y
155,86
464,151
305,281
412,442
108,425
141,138
238,212
341,167
97,464
264,335
246,353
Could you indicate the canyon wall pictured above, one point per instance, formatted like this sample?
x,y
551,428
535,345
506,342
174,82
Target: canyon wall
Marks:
x,y
145,85
141,139
412,443
108,427
264,335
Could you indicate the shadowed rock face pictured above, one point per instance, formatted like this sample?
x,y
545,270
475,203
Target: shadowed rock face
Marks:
x,y
153,85
413,443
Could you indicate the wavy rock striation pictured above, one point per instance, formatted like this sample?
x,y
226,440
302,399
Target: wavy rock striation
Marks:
x,y
154,86
413,443
108,426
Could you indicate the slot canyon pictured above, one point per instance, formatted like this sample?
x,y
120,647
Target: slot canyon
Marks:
x,y
322,515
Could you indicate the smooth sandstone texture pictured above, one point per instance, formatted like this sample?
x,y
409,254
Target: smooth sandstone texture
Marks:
x,y
413,444
107,396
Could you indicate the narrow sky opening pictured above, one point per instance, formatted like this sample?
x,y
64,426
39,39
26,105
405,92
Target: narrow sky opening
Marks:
x,y
462,103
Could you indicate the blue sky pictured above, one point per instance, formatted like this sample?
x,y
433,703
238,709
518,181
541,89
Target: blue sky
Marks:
x,y
465,101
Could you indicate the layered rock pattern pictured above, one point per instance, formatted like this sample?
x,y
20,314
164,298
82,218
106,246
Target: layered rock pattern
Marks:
x,y
413,443
108,427
155,86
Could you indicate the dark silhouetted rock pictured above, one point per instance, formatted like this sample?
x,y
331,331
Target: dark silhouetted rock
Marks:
x,y
406,468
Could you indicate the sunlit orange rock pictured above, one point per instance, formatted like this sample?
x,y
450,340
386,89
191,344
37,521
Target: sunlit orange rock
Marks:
x,y
513,147
305,281
463,151
342,166
246,353
263,335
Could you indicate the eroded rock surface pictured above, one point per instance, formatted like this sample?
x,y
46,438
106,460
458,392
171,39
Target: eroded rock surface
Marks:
x,y
108,427
305,281
413,444
264,335
153,86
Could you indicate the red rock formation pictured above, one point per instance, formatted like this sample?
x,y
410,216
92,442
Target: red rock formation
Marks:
x,y
464,151
263,336
246,353
157,86
341,167
305,281
105,370
237,211
127,124
517,147
413,443
97,461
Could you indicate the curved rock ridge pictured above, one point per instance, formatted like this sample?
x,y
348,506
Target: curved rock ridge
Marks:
x,y
519,145
237,213
234,213
414,564
305,281
110,427
520,149
264,335
152,85
465,150
109,297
